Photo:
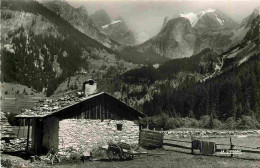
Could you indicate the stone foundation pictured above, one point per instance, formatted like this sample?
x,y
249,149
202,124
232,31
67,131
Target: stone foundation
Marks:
x,y
85,134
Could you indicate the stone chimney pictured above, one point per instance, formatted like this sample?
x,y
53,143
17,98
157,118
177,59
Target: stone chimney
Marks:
x,y
89,87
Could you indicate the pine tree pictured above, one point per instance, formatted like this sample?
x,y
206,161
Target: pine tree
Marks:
x,y
191,114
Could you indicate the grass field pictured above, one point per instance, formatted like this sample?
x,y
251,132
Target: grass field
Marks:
x,y
182,158
15,97
172,159
169,158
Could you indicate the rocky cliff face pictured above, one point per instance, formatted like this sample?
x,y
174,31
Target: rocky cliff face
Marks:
x,y
248,20
177,39
116,29
210,20
100,18
215,28
78,18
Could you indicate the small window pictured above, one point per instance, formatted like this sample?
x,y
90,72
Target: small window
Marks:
x,y
119,127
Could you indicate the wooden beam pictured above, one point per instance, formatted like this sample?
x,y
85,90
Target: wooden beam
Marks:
x,y
28,134
89,111
96,109
102,113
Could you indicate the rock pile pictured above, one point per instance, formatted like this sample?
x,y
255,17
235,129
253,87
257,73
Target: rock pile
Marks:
x,y
15,145
49,106
6,129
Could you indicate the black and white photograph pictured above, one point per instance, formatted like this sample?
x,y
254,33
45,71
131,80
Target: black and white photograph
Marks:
x,y
130,84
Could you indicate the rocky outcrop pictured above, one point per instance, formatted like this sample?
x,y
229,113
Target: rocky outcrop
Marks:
x,y
249,19
100,18
78,18
118,31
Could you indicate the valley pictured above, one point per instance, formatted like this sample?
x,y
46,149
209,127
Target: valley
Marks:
x,y
51,48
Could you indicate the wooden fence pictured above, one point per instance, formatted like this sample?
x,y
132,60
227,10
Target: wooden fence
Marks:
x,y
231,146
152,138
149,138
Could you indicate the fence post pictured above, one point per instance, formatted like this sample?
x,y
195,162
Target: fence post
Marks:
x,y
231,146
192,152
162,137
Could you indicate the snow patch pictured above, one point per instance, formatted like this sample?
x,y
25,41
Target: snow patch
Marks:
x,y
194,17
221,22
113,22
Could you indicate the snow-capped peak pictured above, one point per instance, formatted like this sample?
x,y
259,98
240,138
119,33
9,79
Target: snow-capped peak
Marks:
x,y
210,10
194,17
113,22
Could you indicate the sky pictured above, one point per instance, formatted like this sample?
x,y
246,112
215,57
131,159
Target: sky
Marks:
x,y
146,17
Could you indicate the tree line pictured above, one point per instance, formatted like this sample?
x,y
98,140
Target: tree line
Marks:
x,y
232,94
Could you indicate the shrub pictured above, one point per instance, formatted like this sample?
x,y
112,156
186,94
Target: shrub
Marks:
x,y
170,123
188,122
230,123
72,154
247,122
6,163
98,152
160,120
204,121
217,124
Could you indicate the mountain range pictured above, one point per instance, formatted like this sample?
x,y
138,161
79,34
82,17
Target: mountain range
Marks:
x,y
48,42
78,18
198,64
189,33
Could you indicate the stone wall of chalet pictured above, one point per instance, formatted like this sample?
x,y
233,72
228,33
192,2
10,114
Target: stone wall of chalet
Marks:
x,y
85,134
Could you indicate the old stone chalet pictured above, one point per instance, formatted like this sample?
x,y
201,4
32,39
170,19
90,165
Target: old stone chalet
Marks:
x,y
83,123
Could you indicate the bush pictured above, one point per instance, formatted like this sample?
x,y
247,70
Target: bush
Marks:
x,y
6,163
188,122
230,123
247,122
160,121
217,124
170,123
204,121
73,155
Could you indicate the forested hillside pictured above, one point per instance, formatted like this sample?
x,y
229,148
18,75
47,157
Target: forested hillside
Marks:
x,y
233,94
202,63
42,50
